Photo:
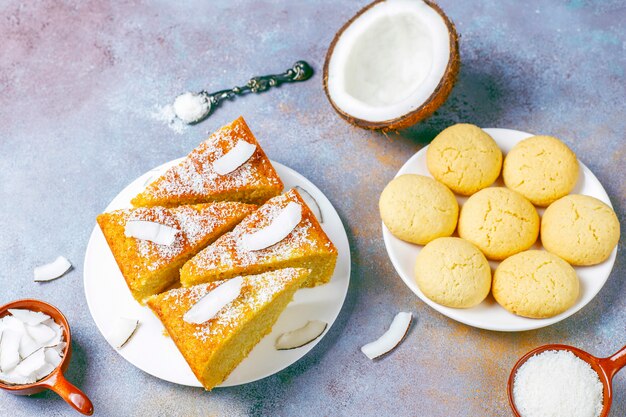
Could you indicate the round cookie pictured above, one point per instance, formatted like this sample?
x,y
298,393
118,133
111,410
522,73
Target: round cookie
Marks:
x,y
418,209
499,221
541,168
580,229
535,284
464,158
453,272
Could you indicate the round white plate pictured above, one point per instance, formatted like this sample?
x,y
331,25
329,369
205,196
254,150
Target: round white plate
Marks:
x,y
490,315
150,350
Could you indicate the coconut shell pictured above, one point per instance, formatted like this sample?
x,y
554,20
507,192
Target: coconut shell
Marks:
x,y
436,99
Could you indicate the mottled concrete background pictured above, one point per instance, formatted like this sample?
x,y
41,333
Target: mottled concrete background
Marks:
x,y
80,79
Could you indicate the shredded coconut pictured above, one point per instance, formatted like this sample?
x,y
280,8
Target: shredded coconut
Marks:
x,y
190,107
557,384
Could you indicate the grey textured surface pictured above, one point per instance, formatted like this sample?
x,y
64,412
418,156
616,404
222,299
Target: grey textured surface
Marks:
x,y
78,84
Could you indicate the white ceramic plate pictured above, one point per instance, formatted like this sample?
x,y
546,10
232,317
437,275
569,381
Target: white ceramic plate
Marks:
x,y
489,314
151,351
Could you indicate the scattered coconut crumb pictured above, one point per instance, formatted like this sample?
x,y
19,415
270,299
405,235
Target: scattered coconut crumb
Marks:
x,y
167,115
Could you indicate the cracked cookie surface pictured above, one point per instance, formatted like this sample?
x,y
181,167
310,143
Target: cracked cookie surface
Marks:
x,y
453,272
541,168
499,221
580,229
418,209
535,284
464,158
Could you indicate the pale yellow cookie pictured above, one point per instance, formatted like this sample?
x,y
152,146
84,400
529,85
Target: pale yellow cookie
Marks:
x,y
535,284
464,158
499,221
580,229
418,209
453,272
541,168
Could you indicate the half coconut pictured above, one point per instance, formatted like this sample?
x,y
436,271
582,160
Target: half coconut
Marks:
x,y
392,65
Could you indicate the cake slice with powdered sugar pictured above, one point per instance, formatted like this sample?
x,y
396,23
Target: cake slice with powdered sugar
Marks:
x,y
229,166
150,262
282,233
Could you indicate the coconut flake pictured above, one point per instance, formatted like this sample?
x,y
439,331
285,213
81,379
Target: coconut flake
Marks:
x,y
44,371
392,337
59,348
154,232
27,345
311,202
53,270
122,331
41,333
13,377
28,316
233,159
58,330
212,302
302,336
277,230
52,356
32,364
10,322
9,349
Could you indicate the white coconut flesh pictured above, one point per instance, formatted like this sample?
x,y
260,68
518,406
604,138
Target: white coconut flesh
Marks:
x,y
389,61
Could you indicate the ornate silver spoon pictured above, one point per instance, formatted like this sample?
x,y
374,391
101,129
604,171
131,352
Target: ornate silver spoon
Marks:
x,y
194,107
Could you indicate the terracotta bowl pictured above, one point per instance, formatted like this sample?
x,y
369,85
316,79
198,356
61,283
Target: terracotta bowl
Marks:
x,y
606,368
55,381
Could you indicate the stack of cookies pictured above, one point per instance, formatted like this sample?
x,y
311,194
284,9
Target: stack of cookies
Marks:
x,y
499,223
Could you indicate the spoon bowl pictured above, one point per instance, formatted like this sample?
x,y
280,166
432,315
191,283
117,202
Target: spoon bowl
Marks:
x,y
606,368
55,380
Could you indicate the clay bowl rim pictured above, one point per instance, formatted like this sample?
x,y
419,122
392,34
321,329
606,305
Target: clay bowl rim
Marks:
x,y
593,361
59,318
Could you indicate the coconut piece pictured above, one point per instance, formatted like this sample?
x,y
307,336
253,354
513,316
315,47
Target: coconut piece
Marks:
x,y
9,349
302,336
41,333
212,302
59,348
58,330
10,322
53,270
27,345
154,232
31,365
44,371
277,230
233,159
28,316
311,202
14,378
52,356
123,330
391,338
393,64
